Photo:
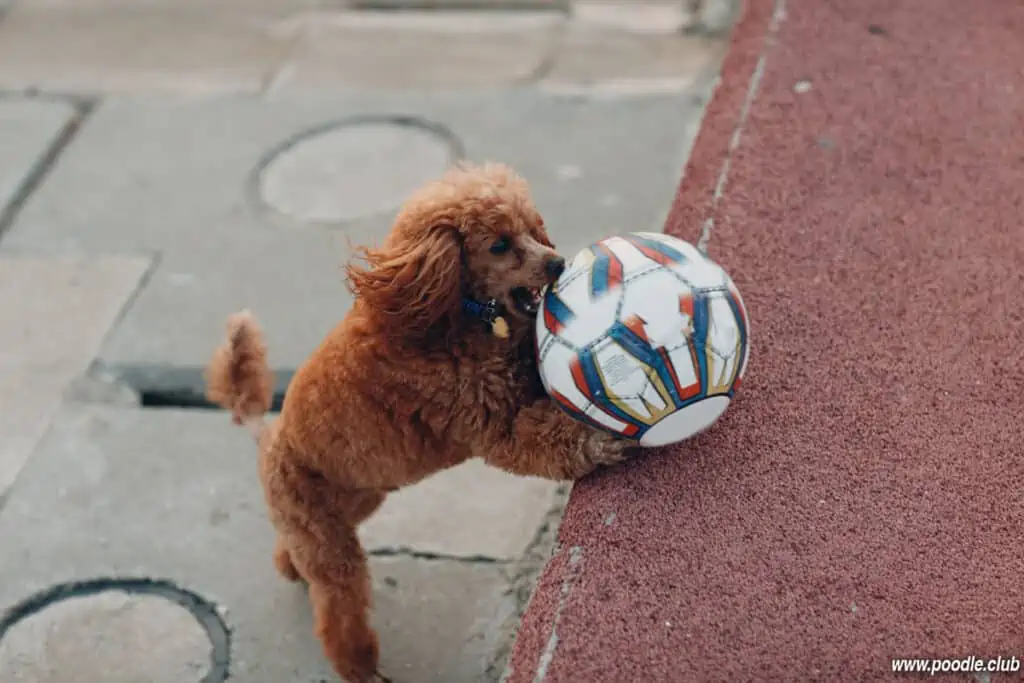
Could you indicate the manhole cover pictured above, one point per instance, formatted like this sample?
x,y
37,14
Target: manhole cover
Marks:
x,y
353,169
115,633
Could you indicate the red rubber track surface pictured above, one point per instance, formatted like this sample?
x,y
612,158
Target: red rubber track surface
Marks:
x,y
863,498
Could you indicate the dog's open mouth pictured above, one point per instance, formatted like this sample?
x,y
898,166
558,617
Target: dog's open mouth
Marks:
x,y
526,299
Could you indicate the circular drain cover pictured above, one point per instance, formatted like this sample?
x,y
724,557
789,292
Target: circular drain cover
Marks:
x,y
352,170
111,635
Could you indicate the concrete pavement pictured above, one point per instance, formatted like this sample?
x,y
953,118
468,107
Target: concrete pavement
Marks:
x,y
166,164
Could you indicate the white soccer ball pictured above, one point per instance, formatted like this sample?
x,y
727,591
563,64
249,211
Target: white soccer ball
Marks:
x,y
643,336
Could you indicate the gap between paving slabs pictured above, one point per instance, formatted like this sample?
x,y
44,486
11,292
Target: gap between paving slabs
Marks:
x,y
12,199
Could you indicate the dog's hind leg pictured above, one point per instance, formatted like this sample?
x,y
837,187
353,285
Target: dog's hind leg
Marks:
x,y
316,525
340,591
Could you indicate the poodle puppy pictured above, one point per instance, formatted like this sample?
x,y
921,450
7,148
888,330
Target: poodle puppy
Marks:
x,y
432,365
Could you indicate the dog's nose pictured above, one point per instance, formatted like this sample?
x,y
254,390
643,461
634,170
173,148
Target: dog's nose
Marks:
x,y
555,267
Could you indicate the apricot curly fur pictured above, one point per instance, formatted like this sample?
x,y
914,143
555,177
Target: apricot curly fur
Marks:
x,y
238,377
404,386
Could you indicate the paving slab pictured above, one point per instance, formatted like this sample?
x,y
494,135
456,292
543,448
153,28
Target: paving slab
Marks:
x,y
55,311
417,49
650,17
140,50
28,130
592,56
456,5
712,17
57,307
180,178
439,621
707,17
24,421
470,511
630,45
173,496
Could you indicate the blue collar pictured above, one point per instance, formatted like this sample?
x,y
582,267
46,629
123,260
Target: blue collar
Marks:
x,y
487,311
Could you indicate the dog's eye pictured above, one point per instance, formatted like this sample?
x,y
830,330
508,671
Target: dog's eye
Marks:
x,y
500,245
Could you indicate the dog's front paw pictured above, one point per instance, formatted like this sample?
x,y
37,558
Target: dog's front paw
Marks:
x,y
604,449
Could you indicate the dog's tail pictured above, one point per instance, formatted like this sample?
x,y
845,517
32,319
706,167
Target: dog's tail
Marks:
x,y
238,377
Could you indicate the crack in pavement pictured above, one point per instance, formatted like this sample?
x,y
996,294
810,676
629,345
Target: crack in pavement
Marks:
x,y
81,110
412,553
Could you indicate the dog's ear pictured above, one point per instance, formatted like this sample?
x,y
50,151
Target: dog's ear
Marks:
x,y
412,283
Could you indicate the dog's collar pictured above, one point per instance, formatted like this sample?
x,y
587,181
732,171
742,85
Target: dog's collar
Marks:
x,y
487,312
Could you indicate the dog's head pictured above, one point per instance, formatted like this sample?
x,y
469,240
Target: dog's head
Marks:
x,y
473,234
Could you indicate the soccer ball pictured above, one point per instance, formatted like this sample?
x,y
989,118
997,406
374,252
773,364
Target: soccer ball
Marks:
x,y
643,336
